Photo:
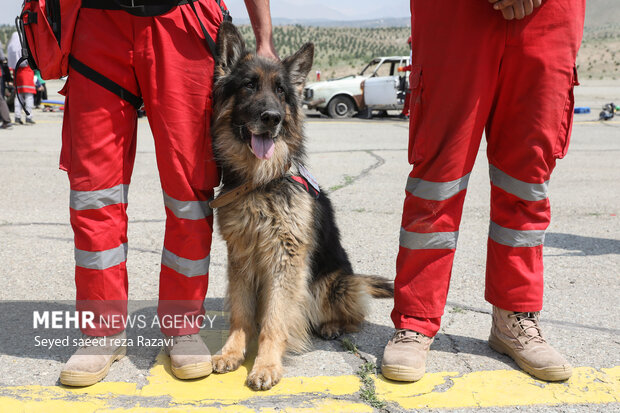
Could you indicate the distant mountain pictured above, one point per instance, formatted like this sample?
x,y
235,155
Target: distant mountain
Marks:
x,y
374,23
598,13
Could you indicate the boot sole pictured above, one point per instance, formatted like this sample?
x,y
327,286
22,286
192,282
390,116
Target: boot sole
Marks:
x,y
192,371
551,373
80,378
402,373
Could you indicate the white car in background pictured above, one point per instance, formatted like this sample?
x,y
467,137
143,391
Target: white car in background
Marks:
x,y
341,98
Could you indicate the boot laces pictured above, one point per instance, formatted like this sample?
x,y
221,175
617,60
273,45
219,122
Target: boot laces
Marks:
x,y
401,336
528,326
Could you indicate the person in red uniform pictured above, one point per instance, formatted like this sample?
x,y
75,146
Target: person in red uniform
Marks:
x,y
163,58
405,112
24,81
506,68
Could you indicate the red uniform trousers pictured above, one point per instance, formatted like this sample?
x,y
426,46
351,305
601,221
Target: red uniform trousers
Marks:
x,y
473,71
164,59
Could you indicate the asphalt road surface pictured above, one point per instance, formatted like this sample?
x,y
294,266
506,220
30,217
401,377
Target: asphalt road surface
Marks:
x,y
363,164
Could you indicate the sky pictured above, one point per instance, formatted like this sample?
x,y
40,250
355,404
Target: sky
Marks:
x,y
293,9
9,9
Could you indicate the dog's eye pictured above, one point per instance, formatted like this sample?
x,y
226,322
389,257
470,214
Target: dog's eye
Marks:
x,y
280,90
250,85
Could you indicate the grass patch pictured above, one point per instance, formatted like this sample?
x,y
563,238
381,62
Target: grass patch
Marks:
x,y
348,180
365,372
457,310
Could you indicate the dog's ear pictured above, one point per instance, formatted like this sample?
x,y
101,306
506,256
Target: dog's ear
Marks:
x,y
299,64
230,47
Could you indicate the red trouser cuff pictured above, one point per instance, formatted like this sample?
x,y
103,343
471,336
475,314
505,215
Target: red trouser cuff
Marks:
x,y
427,326
520,307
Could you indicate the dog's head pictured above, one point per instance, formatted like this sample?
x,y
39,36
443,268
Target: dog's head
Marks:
x,y
257,118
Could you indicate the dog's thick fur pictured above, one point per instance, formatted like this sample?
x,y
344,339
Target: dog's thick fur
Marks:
x,y
288,273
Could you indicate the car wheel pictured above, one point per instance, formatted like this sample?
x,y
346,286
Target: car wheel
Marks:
x,y
341,107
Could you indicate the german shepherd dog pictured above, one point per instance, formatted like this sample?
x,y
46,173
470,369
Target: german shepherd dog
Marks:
x,y
288,273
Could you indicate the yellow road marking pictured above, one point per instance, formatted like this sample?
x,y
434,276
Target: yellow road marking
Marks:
x,y
503,388
312,394
229,388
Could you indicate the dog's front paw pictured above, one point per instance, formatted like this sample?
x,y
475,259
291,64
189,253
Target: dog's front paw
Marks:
x,y
330,331
264,377
226,362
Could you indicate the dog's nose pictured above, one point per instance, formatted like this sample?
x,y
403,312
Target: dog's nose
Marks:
x,y
270,118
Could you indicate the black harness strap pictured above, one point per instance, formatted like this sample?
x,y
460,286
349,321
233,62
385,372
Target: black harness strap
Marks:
x,y
208,38
103,81
26,54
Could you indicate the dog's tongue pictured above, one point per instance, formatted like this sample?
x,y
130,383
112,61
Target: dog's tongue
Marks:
x,y
262,146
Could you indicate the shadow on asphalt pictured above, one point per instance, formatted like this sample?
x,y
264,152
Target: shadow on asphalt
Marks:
x,y
582,245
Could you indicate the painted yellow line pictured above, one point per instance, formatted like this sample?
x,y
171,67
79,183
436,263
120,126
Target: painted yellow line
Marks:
x,y
503,388
316,394
229,388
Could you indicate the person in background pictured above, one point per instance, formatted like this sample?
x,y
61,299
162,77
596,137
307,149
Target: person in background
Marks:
x,y
405,113
41,89
2,63
6,83
24,81
5,115
506,69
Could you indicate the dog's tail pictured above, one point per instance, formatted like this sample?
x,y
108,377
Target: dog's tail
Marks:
x,y
378,287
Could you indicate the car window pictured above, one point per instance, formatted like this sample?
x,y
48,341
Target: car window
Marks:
x,y
384,69
371,65
393,69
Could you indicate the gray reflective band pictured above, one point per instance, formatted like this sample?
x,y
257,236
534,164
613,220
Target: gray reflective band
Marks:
x,y
524,190
436,191
187,209
428,241
81,200
189,268
516,238
100,260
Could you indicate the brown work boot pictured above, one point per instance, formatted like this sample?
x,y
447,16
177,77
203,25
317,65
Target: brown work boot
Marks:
x,y
518,335
189,357
91,362
404,358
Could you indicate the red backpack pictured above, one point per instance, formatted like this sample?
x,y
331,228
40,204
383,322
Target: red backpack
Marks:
x,y
46,30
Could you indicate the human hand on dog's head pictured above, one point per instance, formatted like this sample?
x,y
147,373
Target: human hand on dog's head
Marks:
x,y
267,50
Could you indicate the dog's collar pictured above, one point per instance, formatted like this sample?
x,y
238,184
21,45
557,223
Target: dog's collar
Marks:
x,y
229,196
235,193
